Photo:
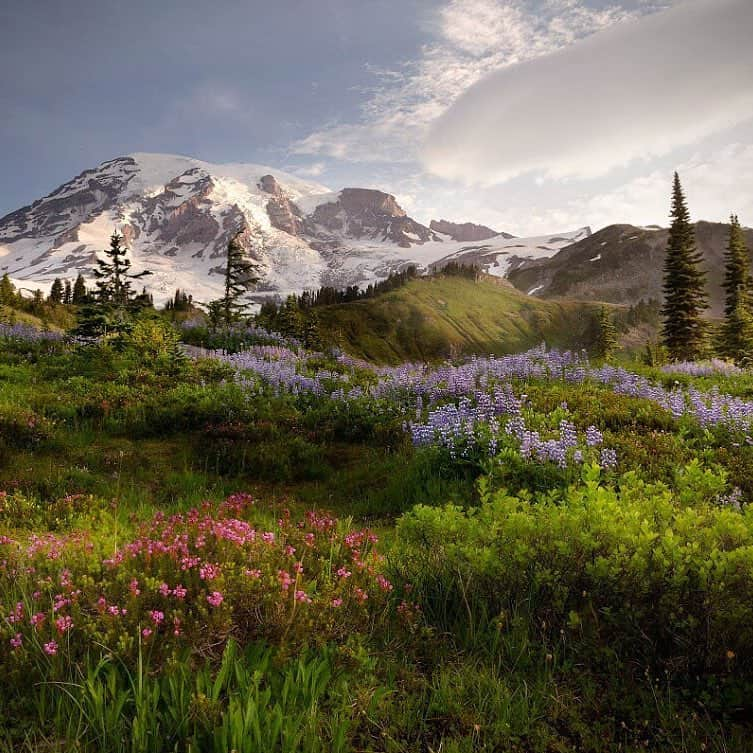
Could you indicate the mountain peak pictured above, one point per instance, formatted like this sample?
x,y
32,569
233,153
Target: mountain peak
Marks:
x,y
465,231
178,213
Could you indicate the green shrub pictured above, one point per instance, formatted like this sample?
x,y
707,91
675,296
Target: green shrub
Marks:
x,y
643,572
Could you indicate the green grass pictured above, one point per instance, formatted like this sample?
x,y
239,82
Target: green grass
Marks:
x,y
492,663
432,318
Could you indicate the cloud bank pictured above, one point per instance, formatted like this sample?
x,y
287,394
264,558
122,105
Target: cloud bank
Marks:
x,y
471,38
638,89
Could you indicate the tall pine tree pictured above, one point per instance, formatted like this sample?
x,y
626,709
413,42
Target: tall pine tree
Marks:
x,y
736,339
240,277
606,341
683,332
56,291
113,275
79,291
110,311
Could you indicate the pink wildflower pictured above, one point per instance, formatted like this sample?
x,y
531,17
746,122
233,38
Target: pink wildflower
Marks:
x,y
134,587
179,592
63,624
16,641
337,602
302,597
343,573
146,632
215,598
157,616
51,648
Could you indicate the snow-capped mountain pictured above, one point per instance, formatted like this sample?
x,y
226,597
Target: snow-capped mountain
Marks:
x,y
177,215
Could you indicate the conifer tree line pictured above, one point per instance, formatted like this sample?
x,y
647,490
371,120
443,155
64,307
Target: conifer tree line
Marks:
x,y
684,332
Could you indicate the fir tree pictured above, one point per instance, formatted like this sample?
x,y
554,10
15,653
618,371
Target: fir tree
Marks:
x,y
67,293
7,291
111,310
239,278
312,337
113,276
606,341
79,291
56,291
683,331
738,300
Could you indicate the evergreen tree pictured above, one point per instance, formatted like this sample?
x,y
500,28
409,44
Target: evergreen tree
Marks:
x,y
8,294
67,293
312,337
56,291
683,332
738,300
239,278
113,276
606,341
290,319
113,306
79,291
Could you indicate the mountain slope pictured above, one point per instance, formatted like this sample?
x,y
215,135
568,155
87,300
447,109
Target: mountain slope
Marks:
x,y
622,264
435,317
178,213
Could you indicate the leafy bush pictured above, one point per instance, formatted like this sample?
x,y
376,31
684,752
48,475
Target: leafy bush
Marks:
x,y
650,574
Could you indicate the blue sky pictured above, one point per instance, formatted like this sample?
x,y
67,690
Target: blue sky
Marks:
x,y
433,100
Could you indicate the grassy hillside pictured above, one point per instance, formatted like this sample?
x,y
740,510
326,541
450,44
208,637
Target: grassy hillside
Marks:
x,y
432,318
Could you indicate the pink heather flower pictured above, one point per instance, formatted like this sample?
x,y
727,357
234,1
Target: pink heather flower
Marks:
x,y
215,598
289,550
309,539
134,587
256,574
268,537
146,632
302,597
36,595
209,572
285,580
164,590
51,648
298,567
114,611
179,592
65,578
63,624
17,615
101,603
337,602
176,626
157,616
16,641
384,584
343,573
37,619
361,595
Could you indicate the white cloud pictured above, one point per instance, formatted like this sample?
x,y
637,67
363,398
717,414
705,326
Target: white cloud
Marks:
x,y
637,90
473,39
314,170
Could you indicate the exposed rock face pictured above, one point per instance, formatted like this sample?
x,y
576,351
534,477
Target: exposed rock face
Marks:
x,y
367,213
622,264
283,213
466,232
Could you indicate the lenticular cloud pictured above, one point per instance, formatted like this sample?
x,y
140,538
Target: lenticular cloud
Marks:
x,y
636,90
